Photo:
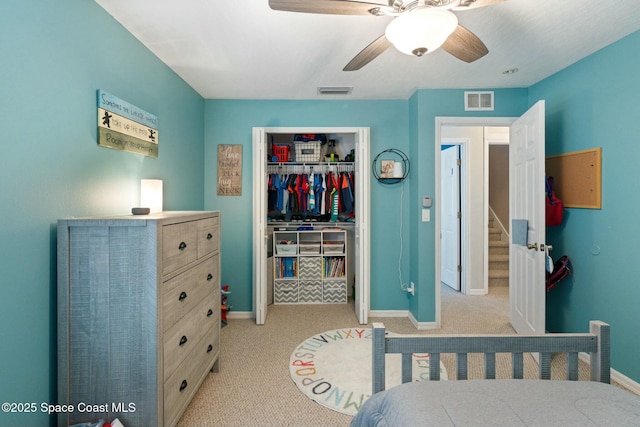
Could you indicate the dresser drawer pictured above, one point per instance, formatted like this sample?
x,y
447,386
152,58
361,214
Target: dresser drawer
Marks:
x,y
183,292
208,236
181,385
179,245
211,342
181,338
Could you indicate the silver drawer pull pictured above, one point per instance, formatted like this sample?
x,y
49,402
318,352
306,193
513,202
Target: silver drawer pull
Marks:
x,y
183,296
183,385
209,236
182,246
183,340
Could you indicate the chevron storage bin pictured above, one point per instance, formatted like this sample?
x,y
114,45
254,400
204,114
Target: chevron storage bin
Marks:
x,y
310,291
285,292
335,291
310,268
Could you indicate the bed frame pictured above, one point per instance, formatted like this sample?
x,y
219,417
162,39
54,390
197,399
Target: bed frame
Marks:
x,y
596,343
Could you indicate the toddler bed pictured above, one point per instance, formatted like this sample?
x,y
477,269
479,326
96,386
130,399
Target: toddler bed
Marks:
x,y
498,402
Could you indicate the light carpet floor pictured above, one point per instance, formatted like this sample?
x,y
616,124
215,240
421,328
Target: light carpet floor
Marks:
x,y
254,388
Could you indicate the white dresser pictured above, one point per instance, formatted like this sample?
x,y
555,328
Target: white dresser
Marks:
x,y
138,315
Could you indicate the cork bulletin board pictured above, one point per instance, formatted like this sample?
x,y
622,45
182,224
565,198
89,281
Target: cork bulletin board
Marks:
x,y
577,178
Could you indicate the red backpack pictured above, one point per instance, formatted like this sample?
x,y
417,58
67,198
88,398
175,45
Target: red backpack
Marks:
x,y
561,269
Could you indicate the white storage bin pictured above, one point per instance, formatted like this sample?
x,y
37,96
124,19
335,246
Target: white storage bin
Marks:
x,y
309,248
307,151
286,249
335,248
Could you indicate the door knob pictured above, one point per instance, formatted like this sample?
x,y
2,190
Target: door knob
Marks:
x,y
532,246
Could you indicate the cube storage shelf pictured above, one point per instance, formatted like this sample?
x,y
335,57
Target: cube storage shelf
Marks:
x,y
310,267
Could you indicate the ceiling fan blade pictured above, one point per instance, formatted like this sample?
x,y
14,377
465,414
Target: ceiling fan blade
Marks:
x,y
329,7
474,4
465,45
368,54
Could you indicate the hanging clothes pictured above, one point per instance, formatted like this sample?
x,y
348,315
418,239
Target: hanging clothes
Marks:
x,y
346,193
300,194
272,192
312,194
304,194
283,195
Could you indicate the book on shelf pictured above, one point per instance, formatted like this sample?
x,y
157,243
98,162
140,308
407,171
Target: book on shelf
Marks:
x,y
334,267
286,268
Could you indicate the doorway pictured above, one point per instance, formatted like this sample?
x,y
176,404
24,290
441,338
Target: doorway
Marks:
x,y
360,225
469,134
526,170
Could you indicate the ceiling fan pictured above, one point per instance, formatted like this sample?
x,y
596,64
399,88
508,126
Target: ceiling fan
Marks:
x,y
419,26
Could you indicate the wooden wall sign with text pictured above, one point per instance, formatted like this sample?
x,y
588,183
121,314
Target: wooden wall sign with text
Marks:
x,y
229,170
123,126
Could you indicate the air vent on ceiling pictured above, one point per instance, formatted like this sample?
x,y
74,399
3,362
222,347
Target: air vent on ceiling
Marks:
x,y
335,90
478,101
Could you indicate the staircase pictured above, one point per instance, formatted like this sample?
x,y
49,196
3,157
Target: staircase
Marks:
x,y
498,255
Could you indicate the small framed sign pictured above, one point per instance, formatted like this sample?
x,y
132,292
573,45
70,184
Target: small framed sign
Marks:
x,y
229,170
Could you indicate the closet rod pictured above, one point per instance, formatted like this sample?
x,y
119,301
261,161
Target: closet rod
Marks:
x,y
310,168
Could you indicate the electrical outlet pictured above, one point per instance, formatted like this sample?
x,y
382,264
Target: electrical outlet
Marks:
x,y
411,289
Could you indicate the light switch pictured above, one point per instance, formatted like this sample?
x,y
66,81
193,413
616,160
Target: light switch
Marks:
x,y
426,215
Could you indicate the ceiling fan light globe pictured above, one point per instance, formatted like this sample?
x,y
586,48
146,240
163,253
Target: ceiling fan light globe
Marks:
x,y
421,30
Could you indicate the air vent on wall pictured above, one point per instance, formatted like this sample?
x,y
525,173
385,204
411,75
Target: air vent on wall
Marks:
x,y
478,101
335,90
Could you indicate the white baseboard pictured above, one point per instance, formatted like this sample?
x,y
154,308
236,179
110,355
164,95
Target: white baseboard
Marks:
x,y
388,313
422,326
616,376
403,313
240,315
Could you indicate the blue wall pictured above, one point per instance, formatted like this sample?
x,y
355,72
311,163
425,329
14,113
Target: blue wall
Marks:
x,y
55,56
594,103
230,122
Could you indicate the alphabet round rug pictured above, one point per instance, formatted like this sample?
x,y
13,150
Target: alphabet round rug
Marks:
x,y
334,368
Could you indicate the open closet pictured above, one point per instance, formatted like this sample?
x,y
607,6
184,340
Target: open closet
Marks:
x,y
310,218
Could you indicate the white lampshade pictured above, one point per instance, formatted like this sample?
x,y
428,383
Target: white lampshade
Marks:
x,y
151,194
421,31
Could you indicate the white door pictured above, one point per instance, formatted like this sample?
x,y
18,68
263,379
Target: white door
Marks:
x,y
450,209
526,202
259,226
363,191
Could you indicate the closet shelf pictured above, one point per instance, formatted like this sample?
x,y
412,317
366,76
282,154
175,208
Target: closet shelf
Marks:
x,y
307,167
322,224
311,163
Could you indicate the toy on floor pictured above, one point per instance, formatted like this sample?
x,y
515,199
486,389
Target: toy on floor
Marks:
x,y
224,306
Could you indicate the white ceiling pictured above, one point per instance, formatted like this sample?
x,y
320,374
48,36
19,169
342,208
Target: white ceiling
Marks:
x,y
241,49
